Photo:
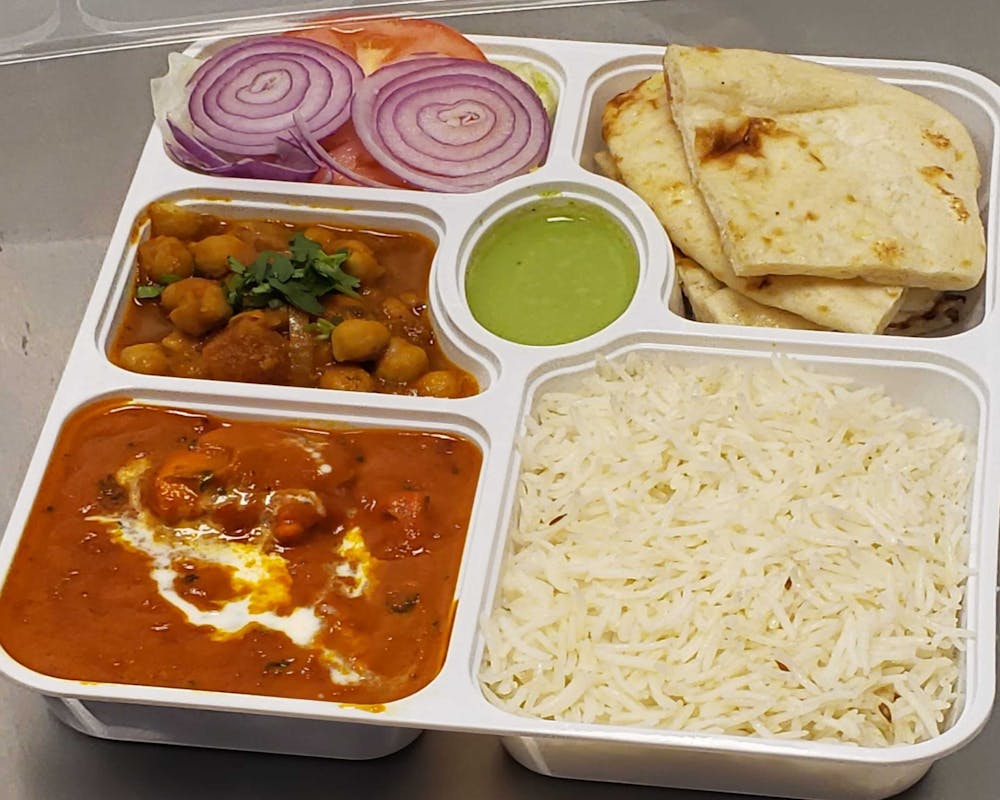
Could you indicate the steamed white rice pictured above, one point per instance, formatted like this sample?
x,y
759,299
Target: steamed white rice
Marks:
x,y
762,551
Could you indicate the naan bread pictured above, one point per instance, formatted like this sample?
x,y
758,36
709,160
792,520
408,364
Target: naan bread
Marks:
x,y
713,301
810,170
646,147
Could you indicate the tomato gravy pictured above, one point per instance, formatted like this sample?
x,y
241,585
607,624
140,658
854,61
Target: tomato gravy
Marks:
x,y
174,548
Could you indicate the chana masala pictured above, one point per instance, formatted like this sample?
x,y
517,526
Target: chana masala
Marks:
x,y
262,301
173,548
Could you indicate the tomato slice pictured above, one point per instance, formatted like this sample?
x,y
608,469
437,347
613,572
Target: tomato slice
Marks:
x,y
345,146
374,42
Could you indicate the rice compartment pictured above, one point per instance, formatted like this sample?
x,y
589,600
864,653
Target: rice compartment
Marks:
x,y
753,551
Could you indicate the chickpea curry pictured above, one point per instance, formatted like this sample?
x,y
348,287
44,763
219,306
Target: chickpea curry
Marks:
x,y
261,301
173,548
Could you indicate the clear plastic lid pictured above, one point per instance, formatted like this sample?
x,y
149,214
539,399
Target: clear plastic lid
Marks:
x,y
34,29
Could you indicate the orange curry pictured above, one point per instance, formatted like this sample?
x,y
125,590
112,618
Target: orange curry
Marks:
x,y
174,548
261,301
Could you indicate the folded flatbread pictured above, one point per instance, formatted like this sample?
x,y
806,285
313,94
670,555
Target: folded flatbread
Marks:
x,y
713,301
647,150
811,170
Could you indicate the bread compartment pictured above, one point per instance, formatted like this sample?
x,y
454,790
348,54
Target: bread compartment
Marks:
x,y
188,279
214,608
611,674
650,149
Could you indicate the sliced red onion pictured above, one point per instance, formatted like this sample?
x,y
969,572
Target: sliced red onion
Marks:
x,y
262,170
291,153
183,157
243,97
293,162
451,124
315,150
193,147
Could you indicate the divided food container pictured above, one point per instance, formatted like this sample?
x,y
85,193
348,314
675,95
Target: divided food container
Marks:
x,y
953,376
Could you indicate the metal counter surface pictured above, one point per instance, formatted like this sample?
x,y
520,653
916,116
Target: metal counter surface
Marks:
x,y
70,136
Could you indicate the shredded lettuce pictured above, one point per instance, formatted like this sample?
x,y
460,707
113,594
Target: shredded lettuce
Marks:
x,y
537,80
170,91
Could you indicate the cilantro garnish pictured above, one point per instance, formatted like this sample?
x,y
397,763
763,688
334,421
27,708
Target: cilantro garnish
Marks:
x,y
299,278
322,328
148,292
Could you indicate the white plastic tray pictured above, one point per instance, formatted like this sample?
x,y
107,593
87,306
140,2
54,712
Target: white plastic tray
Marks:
x,y
952,376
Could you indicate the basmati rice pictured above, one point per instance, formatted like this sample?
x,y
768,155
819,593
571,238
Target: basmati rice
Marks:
x,y
742,550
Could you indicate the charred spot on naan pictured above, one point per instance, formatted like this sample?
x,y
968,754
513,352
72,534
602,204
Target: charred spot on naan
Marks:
x,y
888,251
934,175
939,140
725,143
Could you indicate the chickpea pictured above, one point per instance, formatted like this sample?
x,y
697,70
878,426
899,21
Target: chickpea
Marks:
x,y
184,355
361,261
439,383
263,235
196,305
402,362
324,237
170,219
211,254
359,340
177,343
395,309
274,318
164,256
149,359
348,379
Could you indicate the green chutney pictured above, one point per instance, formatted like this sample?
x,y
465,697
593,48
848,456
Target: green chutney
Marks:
x,y
551,272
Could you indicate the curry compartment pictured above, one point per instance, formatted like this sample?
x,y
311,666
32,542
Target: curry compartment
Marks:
x,y
200,295
572,596
316,558
714,295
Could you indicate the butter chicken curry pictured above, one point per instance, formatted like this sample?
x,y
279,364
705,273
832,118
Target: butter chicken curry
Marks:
x,y
270,302
174,548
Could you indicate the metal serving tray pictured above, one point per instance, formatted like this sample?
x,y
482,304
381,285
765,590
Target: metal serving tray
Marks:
x,y
952,376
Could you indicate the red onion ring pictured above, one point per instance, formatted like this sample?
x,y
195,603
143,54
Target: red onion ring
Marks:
x,y
188,144
243,97
294,163
304,139
451,124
